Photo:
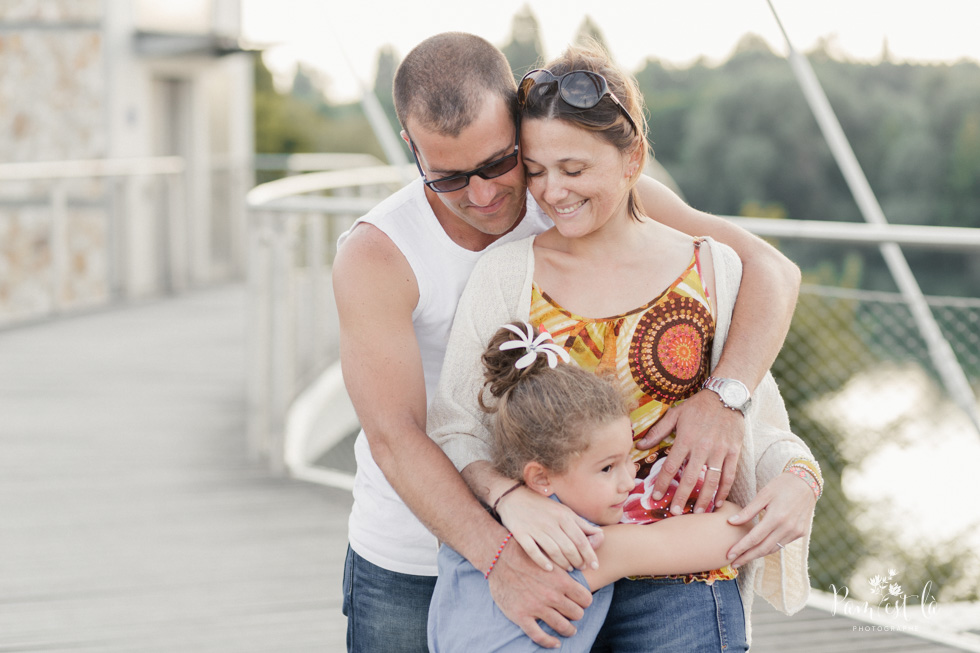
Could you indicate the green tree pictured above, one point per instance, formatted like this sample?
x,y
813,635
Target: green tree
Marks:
x,y
589,31
524,51
310,86
964,179
384,80
670,95
303,121
751,50
749,137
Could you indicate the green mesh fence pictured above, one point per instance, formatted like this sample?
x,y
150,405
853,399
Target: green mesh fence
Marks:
x,y
899,457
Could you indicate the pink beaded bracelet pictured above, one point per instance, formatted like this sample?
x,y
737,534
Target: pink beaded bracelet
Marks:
x,y
500,550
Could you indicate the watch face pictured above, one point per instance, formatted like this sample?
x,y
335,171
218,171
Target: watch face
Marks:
x,y
734,394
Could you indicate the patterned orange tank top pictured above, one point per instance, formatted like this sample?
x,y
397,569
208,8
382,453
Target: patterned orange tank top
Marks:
x,y
657,355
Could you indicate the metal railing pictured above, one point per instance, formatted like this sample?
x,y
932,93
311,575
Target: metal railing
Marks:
x,y
294,224
855,373
89,232
51,198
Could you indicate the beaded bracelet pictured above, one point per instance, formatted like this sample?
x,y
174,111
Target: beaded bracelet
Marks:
x,y
809,472
496,503
806,478
808,467
500,550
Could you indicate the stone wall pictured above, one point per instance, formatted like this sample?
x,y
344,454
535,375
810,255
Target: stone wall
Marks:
x,y
76,86
52,81
52,89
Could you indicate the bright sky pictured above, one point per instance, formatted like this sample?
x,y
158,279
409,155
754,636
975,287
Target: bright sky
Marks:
x,y
326,34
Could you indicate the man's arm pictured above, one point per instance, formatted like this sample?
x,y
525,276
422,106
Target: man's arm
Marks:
x,y
376,292
708,433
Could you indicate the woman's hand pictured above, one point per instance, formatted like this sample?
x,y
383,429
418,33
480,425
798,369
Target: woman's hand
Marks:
x,y
550,532
787,502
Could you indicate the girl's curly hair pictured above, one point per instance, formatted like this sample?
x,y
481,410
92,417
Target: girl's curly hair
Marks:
x,y
543,414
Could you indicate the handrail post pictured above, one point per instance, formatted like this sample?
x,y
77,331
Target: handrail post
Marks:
x,y
58,243
129,204
113,241
164,245
340,222
176,233
283,348
316,263
259,335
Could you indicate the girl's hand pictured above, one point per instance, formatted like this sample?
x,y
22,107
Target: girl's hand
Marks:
x,y
788,503
549,532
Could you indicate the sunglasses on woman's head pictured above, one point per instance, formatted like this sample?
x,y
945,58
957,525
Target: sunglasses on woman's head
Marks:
x,y
580,89
459,181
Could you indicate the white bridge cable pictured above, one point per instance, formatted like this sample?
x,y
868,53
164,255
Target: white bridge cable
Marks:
x,y
940,351
387,137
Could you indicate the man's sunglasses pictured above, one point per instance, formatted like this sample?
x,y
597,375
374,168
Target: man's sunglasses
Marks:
x,y
580,89
459,181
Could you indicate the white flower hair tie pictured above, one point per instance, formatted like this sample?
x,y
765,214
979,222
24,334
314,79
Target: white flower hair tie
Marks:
x,y
542,344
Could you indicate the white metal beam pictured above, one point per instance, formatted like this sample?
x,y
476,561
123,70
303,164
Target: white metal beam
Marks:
x,y
913,235
940,350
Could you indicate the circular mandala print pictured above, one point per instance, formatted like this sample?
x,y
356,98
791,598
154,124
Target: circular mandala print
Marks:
x,y
669,349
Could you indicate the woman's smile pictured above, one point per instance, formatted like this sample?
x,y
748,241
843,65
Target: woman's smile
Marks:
x,y
569,209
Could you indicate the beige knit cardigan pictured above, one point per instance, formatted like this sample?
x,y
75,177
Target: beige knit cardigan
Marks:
x,y
499,291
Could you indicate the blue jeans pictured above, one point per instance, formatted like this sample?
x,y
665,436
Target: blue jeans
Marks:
x,y
386,611
668,615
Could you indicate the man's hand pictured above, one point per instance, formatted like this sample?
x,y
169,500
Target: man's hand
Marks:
x,y
788,503
525,593
708,434
549,531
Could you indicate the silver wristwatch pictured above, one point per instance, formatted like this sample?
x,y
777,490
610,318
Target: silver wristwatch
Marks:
x,y
733,392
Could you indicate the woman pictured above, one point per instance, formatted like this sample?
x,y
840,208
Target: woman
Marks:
x,y
670,301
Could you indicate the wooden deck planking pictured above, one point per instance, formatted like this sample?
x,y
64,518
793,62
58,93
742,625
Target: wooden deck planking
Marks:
x,y
131,516
815,631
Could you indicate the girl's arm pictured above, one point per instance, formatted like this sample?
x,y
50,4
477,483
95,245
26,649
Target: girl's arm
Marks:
x,y
685,544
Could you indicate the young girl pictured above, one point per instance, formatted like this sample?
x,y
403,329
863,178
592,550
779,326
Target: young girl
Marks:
x,y
565,433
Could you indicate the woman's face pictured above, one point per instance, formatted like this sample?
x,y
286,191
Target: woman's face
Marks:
x,y
581,181
598,481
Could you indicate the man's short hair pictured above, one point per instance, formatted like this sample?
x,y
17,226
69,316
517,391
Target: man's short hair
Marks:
x,y
444,81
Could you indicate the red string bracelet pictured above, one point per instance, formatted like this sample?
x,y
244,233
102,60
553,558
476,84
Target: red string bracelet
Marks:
x,y
496,503
500,550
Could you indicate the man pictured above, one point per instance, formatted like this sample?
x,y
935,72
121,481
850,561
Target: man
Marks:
x,y
397,278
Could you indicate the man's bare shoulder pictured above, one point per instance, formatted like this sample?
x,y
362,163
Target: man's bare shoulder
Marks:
x,y
369,264
366,243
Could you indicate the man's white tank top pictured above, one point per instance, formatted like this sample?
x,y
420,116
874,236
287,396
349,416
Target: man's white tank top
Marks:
x,y
382,528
